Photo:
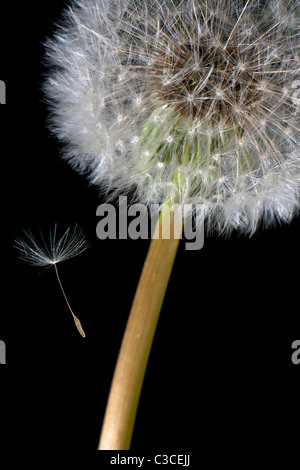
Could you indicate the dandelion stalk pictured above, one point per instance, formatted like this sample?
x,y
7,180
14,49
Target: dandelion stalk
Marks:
x,y
135,349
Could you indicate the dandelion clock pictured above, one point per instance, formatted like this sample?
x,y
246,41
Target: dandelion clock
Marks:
x,y
192,103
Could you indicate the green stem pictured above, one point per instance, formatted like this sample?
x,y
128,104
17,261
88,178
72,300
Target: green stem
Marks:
x,y
138,337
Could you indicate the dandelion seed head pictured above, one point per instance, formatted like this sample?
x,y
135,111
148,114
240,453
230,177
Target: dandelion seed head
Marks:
x,y
213,78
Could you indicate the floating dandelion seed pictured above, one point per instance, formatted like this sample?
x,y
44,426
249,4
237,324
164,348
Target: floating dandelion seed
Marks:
x,y
38,253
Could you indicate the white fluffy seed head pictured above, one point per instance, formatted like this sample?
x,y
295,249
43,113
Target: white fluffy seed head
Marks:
x,y
177,83
38,252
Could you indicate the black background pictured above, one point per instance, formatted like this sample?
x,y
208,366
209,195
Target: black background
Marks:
x,y
220,371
